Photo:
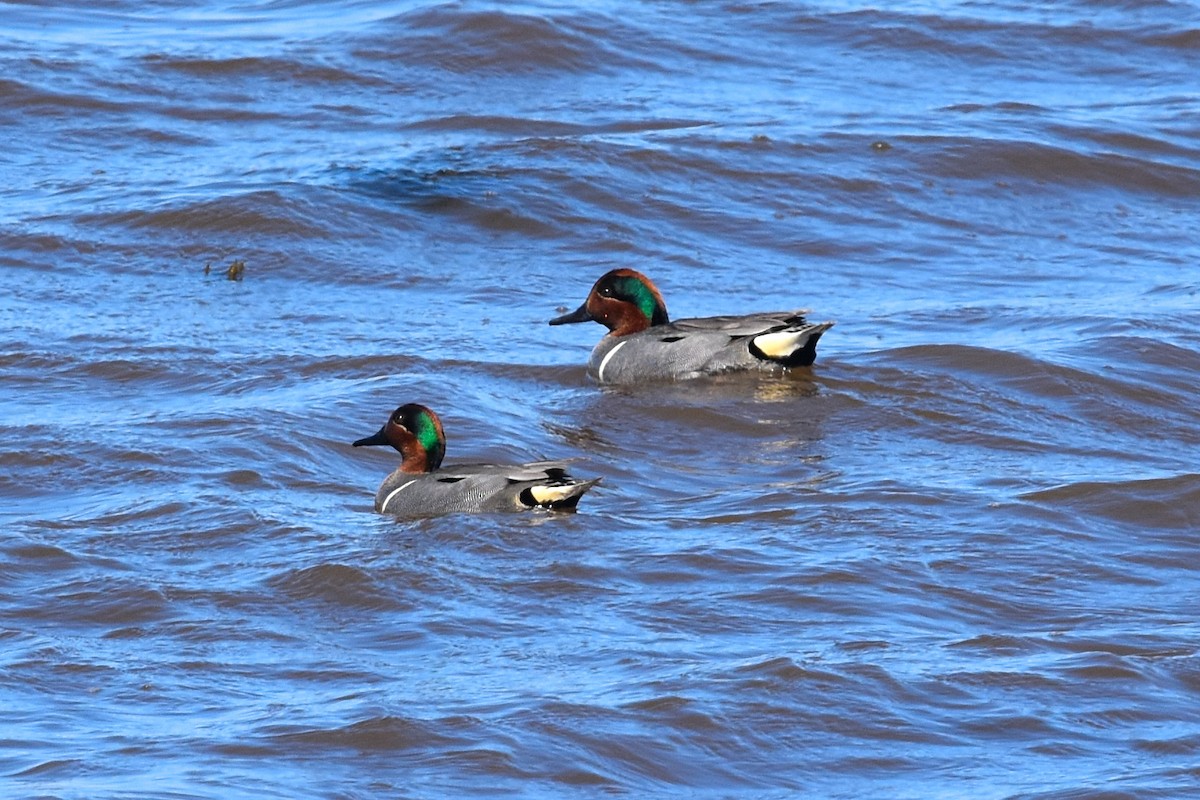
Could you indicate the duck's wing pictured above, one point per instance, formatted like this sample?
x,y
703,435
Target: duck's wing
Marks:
x,y
740,325
534,471
541,483
783,337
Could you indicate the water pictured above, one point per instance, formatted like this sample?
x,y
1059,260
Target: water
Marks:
x,y
956,559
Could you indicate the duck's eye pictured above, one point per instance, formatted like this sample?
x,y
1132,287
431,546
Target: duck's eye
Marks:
x,y
606,291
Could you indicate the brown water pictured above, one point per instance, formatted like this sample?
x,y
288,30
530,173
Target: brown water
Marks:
x,y
959,558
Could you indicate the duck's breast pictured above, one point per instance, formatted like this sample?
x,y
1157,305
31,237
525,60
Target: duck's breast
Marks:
x,y
681,350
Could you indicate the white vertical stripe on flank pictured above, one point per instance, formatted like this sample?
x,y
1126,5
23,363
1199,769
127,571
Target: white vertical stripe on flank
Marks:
x,y
604,362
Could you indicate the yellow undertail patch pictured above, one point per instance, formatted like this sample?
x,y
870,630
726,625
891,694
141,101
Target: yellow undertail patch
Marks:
x,y
546,495
781,344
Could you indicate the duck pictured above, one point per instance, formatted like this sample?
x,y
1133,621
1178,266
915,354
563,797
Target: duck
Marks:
x,y
422,487
643,344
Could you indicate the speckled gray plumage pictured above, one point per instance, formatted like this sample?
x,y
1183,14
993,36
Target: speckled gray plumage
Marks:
x,y
466,488
689,348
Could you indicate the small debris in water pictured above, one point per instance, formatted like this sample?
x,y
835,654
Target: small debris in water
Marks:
x,y
233,272
880,146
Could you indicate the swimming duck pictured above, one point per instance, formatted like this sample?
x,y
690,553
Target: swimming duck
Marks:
x,y
421,487
643,344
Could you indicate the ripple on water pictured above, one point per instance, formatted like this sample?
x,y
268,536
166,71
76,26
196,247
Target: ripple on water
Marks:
x,y
1172,503
340,584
